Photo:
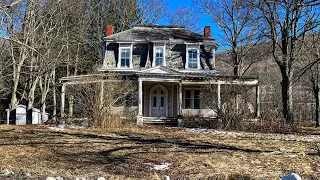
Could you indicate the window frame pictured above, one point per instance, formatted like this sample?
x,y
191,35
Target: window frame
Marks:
x,y
121,47
192,98
189,48
158,46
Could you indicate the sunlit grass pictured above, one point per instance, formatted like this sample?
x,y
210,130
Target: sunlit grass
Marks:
x,y
132,152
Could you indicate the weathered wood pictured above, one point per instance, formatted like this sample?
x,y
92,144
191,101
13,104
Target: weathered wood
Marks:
x,y
70,111
63,99
219,96
180,99
140,98
101,95
257,101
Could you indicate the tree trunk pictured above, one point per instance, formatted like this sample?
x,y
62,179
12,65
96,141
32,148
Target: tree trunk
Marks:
x,y
31,100
54,113
43,111
286,89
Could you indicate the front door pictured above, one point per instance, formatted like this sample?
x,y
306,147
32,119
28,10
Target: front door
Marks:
x,y
158,102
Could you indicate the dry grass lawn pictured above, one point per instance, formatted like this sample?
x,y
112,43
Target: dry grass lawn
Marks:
x,y
132,152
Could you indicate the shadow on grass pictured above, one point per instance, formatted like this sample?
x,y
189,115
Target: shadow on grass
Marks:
x,y
123,154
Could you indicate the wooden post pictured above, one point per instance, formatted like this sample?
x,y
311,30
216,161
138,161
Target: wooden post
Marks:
x,y
63,99
219,96
180,99
70,112
172,91
140,99
257,101
101,95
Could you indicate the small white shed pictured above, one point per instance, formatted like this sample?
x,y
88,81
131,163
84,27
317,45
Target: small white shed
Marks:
x,y
21,115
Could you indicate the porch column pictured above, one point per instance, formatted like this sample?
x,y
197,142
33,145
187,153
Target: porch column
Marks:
x,y
71,102
258,101
180,99
101,96
218,97
140,99
63,99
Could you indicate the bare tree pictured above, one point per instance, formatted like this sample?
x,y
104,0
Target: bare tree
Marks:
x,y
104,102
239,25
152,11
187,17
311,64
286,25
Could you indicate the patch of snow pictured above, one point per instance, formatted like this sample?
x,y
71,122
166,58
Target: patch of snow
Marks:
x,y
50,178
60,127
59,178
6,172
81,178
292,176
162,166
101,178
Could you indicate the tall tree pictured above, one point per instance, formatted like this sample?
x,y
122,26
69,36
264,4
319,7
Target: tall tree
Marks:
x,y
239,24
286,25
310,64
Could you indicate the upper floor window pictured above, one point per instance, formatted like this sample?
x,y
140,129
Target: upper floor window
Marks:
x,y
159,54
125,56
193,57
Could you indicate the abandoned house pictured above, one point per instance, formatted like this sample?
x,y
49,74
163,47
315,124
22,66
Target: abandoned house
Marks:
x,y
174,72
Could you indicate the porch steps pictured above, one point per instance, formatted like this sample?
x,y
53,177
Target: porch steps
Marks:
x,y
161,120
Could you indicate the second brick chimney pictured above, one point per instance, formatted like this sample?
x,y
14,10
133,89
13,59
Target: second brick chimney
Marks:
x,y
207,32
109,30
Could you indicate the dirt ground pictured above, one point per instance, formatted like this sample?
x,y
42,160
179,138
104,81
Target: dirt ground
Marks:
x,y
36,152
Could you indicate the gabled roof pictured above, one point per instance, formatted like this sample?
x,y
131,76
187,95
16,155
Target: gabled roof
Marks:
x,y
160,34
159,70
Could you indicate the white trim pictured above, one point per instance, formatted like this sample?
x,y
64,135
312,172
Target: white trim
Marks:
x,y
159,80
191,97
151,97
172,99
192,47
130,47
163,54
213,58
234,82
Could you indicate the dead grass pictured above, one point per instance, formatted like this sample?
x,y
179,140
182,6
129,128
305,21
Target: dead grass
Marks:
x,y
130,153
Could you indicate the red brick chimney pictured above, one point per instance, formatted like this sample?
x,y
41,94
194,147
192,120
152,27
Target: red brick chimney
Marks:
x,y
109,30
207,32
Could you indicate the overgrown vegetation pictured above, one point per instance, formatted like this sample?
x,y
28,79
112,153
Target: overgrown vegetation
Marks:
x,y
132,152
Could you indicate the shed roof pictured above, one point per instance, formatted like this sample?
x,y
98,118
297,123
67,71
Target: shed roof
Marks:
x,y
151,33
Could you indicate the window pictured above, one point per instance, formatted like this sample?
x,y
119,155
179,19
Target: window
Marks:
x,y
193,60
193,57
159,54
192,99
159,57
125,57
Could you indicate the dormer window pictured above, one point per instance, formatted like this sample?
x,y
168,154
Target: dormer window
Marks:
x,y
193,57
159,55
125,56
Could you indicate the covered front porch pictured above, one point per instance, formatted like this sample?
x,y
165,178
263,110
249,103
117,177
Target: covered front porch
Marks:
x,y
165,98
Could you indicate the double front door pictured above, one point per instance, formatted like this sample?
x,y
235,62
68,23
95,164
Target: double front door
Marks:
x,y
158,102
